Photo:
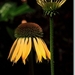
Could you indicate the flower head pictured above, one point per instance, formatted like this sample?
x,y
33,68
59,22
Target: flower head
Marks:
x,y
50,5
26,35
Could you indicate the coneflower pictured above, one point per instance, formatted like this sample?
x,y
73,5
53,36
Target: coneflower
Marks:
x,y
50,7
25,34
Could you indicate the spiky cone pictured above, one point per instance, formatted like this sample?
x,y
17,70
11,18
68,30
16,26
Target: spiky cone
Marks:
x,y
25,34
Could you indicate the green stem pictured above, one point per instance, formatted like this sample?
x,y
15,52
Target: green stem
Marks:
x,y
31,64
51,45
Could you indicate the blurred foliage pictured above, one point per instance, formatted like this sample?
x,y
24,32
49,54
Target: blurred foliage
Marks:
x,y
10,32
10,10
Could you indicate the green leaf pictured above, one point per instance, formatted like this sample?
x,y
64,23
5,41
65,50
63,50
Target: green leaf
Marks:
x,y
21,10
5,10
10,10
10,32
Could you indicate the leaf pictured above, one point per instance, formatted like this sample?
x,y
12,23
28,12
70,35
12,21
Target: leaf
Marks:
x,y
10,32
21,10
5,10
10,10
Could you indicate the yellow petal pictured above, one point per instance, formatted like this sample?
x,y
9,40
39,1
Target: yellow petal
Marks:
x,y
38,59
16,50
37,50
41,48
24,62
48,54
20,51
62,2
12,48
26,48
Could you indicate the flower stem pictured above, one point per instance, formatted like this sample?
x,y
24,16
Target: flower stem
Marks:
x,y
51,45
31,65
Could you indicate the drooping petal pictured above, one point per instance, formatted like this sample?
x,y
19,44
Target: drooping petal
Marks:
x,y
41,48
24,62
36,57
48,54
12,48
26,48
15,50
37,50
37,60
62,2
19,54
40,2
23,52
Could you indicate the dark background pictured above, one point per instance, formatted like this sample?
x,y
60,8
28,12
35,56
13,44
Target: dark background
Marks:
x,y
63,40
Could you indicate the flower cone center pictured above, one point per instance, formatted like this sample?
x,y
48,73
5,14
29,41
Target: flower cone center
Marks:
x,y
28,30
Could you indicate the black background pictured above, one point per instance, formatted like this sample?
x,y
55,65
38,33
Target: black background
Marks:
x,y
63,40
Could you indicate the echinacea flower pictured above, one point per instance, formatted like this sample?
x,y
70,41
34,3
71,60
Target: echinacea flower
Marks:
x,y
26,35
50,5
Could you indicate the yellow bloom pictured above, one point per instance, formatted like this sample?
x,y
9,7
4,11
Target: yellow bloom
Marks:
x,y
50,5
28,34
